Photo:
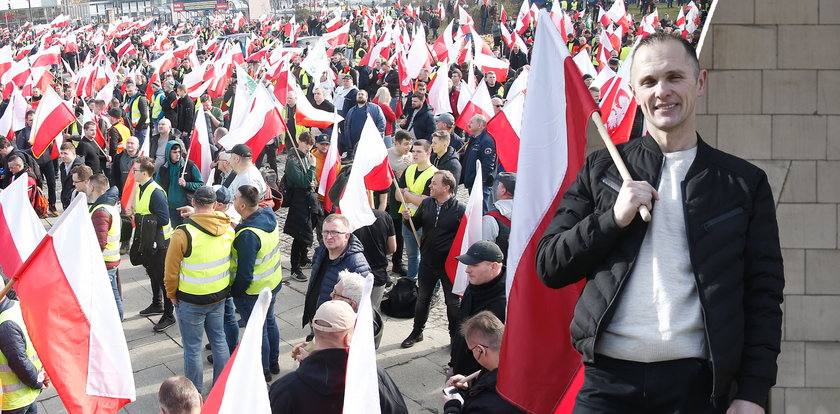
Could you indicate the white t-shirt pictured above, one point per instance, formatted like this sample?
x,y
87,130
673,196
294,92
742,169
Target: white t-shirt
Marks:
x,y
251,176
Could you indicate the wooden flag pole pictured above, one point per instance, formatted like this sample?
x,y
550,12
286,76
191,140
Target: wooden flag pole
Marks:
x,y
405,207
616,157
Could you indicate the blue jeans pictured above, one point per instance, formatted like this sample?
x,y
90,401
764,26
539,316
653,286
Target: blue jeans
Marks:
x,y
271,334
231,325
194,321
389,141
412,250
141,134
112,274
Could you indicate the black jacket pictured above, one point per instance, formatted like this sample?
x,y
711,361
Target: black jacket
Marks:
x,y
449,162
91,154
439,229
481,398
317,386
423,123
67,186
185,116
733,245
477,298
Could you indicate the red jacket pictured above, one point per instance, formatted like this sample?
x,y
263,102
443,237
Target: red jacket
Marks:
x,y
390,117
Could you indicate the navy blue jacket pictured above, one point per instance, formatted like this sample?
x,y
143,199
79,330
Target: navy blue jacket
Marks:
x,y
355,121
322,282
13,346
423,122
480,147
247,244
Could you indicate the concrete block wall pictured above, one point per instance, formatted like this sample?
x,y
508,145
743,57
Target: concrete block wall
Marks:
x,y
774,98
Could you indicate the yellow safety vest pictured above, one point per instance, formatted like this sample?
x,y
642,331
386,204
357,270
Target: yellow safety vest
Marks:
x,y
112,245
141,204
417,184
207,269
124,134
134,112
267,266
157,105
15,394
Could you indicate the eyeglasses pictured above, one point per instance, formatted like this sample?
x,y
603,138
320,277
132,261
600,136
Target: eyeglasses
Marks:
x,y
336,295
498,106
77,182
480,351
330,233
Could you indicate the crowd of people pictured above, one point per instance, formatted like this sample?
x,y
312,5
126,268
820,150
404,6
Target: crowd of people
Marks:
x,y
210,244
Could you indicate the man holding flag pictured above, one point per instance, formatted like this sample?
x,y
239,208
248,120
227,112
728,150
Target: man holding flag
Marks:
x,y
682,313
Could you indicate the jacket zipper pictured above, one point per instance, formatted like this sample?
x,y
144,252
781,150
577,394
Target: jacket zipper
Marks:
x,y
725,216
697,282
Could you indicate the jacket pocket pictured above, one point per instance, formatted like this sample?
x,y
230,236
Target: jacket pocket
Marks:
x,y
723,217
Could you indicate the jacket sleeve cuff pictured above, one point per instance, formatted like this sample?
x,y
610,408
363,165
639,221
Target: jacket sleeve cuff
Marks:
x,y
607,224
754,389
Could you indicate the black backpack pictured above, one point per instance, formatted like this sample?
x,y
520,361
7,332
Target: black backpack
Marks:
x,y
400,301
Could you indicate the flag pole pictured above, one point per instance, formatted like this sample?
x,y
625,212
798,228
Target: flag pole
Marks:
x,y
186,160
616,157
7,288
405,207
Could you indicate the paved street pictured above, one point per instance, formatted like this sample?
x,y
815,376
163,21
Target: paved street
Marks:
x,y
419,371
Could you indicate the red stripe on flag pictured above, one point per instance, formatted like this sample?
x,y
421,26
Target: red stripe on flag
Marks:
x,y
451,265
380,177
217,393
10,260
58,328
507,142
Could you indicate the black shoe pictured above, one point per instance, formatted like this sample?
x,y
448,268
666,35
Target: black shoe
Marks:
x,y
165,322
306,263
153,309
210,358
275,368
207,347
400,270
241,323
267,377
124,247
299,276
414,337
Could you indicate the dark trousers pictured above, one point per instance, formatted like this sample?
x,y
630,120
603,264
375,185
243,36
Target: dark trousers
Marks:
x,y
154,268
427,278
298,254
269,153
397,257
48,174
619,386
29,409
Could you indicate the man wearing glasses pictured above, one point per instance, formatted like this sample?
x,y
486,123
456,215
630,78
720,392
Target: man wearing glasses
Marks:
x,y
341,251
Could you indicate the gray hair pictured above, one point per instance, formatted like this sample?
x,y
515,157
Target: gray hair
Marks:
x,y
354,285
178,395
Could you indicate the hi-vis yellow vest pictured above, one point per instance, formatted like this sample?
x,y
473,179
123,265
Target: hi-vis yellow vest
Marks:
x,y
112,245
267,266
15,394
141,205
417,184
134,111
124,134
207,269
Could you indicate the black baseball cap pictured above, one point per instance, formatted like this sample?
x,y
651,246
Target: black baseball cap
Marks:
x,y
322,139
223,195
241,150
482,251
204,195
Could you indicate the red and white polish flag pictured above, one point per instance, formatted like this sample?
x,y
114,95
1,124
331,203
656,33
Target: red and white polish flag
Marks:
x,y
199,151
263,124
77,332
330,170
551,152
361,384
505,129
51,117
469,232
371,171
19,227
618,106
480,104
240,387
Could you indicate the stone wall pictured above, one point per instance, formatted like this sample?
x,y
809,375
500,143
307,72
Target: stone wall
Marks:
x,y
773,98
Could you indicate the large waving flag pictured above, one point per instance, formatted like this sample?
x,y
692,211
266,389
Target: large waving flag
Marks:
x,y
199,151
14,118
439,91
551,152
505,129
371,171
308,115
262,124
479,104
361,385
77,332
51,117
240,387
469,232
19,227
